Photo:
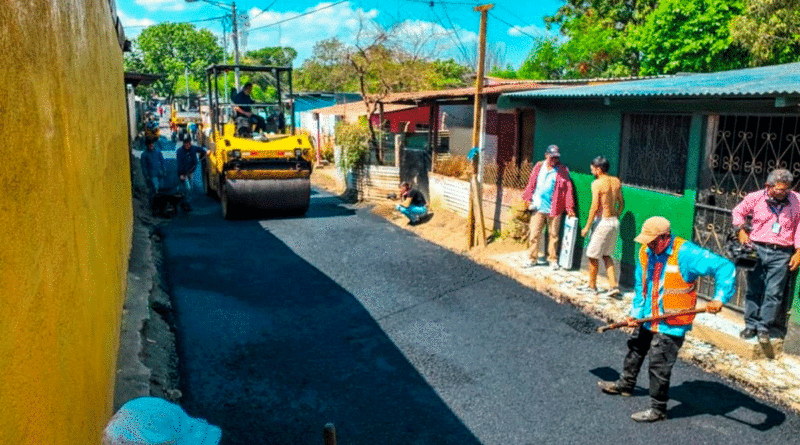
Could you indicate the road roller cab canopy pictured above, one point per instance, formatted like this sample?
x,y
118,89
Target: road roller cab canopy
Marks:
x,y
274,81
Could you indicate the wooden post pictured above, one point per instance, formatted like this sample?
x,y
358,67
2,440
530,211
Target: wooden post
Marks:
x,y
380,133
476,193
329,434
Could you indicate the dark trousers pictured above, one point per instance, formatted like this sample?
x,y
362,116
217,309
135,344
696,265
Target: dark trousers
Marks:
x,y
663,353
766,290
259,122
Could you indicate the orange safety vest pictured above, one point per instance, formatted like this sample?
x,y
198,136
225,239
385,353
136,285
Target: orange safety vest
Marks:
x,y
678,294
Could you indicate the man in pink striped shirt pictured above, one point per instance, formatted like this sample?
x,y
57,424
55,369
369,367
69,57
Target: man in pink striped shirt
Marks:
x,y
775,234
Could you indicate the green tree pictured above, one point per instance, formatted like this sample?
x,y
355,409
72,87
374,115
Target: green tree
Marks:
x,y
444,74
505,73
595,43
272,56
691,36
169,48
769,30
543,61
327,68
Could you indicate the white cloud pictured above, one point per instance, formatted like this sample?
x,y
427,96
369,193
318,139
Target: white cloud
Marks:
x,y
342,21
527,31
163,5
128,21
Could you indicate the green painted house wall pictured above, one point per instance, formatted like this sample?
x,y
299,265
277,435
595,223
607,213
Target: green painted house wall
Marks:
x,y
583,133
584,129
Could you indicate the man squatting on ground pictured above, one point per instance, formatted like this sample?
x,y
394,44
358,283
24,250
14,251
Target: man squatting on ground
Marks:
x,y
153,169
186,160
666,281
549,193
412,203
775,235
607,206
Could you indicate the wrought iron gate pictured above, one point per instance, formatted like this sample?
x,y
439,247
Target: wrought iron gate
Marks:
x,y
741,150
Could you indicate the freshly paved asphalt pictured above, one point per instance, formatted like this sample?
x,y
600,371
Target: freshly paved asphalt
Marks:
x,y
286,324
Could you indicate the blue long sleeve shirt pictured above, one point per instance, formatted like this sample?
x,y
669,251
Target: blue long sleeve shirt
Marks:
x,y
693,262
186,160
153,164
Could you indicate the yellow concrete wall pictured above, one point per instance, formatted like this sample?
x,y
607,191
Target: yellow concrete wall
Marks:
x,y
65,218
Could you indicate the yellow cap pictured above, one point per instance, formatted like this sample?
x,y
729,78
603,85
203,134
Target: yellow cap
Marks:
x,y
652,228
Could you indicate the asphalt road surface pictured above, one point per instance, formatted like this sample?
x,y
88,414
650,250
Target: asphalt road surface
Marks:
x,y
286,324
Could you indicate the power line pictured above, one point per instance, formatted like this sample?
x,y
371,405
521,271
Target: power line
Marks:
x,y
519,30
264,10
512,14
461,46
298,16
444,2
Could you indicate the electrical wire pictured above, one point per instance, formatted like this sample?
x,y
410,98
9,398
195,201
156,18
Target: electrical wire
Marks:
x,y
264,10
513,26
461,47
297,16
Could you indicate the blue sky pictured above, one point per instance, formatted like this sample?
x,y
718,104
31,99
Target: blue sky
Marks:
x,y
447,29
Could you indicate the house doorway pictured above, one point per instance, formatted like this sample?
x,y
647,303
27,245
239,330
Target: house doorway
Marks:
x,y
740,151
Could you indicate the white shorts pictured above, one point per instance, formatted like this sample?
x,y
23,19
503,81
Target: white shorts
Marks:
x,y
604,238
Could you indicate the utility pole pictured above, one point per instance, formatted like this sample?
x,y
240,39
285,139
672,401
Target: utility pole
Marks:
x,y
235,43
476,192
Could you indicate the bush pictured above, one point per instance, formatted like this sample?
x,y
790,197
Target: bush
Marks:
x,y
454,166
354,140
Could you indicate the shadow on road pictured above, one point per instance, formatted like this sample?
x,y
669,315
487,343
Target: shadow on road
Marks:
x,y
698,397
701,397
271,349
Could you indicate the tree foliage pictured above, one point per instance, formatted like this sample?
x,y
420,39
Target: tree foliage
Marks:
x,y
272,56
606,38
326,69
594,40
168,49
691,36
769,30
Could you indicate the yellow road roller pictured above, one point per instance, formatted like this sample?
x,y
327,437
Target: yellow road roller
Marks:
x,y
184,111
252,166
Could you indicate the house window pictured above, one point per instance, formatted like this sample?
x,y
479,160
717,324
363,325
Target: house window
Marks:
x,y
654,151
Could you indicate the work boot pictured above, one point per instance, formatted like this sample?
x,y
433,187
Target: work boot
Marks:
x,y
747,333
649,415
614,389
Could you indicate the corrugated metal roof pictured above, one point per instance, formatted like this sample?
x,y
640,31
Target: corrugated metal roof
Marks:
x,y
776,80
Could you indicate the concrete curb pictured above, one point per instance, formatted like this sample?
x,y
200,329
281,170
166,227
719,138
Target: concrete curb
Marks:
x,y
146,363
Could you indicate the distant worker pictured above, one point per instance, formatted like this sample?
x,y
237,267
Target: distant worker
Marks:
x,y
607,206
412,204
242,102
775,235
153,169
187,162
549,194
666,282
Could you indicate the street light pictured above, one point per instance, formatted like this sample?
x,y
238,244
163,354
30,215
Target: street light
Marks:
x,y
235,33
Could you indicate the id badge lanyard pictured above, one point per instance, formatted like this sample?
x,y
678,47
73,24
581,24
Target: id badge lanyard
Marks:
x,y
776,226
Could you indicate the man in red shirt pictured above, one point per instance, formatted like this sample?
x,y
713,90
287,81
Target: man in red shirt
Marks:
x,y
775,234
549,194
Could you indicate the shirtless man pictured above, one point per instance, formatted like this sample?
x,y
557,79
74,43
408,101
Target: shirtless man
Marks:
x,y
607,206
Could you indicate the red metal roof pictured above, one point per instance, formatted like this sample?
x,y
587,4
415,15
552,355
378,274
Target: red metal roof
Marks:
x,y
356,109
